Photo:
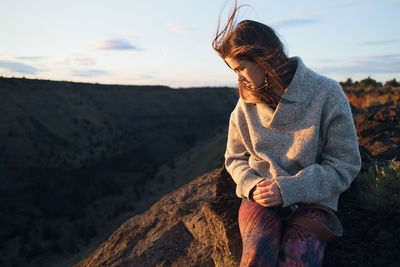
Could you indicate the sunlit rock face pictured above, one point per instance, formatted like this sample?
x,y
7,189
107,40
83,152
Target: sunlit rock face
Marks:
x,y
194,226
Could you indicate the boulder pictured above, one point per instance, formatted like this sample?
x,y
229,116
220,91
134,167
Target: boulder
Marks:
x,y
195,225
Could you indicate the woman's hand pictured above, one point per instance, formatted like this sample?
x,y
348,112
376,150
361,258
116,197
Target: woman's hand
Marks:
x,y
267,193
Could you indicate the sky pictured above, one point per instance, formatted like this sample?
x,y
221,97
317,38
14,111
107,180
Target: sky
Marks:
x,y
160,42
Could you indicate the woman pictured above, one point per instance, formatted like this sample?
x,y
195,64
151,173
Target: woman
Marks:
x,y
292,146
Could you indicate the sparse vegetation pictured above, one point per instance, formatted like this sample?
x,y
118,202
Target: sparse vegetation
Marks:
x,y
348,82
368,83
11,133
171,164
374,101
392,83
381,189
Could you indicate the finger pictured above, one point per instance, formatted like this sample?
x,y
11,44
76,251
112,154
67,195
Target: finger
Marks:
x,y
261,192
268,203
263,189
258,191
271,188
266,195
270,199
265,183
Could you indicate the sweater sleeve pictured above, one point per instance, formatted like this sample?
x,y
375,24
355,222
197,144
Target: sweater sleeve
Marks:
x,y
339,161
237,162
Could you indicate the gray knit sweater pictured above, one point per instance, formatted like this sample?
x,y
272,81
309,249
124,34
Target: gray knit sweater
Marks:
x,y
308,147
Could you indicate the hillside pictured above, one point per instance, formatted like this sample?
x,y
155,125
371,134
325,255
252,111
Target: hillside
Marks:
x,y
77,159
70,125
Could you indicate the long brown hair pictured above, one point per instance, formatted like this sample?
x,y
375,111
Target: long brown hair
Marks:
x,y
257,42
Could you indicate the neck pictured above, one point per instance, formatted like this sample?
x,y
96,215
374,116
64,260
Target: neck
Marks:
x,y
281,74
282,71
287,75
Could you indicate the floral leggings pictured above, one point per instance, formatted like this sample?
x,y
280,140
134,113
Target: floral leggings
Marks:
x,y
268,241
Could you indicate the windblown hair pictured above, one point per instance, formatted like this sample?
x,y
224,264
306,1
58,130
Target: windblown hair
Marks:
x,y
251,40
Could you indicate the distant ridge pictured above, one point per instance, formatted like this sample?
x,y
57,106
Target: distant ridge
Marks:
x,y
75,158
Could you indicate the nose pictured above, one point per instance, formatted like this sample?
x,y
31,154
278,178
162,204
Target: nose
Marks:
x,y
240,78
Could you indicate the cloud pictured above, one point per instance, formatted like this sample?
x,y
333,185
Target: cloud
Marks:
x,y
292,22
89,73
366,64
18,67
30,58
81,60
313,14
343,4
326,8
115,44
164,56
146,76
381,42
179,28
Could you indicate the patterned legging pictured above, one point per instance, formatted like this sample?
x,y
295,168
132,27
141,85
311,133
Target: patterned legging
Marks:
x,y
268,241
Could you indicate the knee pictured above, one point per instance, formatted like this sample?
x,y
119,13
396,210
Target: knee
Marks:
x,y
250,210
254,218
301,246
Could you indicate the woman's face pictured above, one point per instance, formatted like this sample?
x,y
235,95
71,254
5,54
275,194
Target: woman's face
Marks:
x,y
250,74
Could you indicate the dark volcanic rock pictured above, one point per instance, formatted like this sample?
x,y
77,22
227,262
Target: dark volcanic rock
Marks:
x,y
194,226
372,96
378,132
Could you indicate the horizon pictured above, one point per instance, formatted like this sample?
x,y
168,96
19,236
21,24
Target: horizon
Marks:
x,y
163,85
101,42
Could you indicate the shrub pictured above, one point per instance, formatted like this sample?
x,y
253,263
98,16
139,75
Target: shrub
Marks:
x,y
171,164
11,132
348,82
381,188
392,83
367,82
47,232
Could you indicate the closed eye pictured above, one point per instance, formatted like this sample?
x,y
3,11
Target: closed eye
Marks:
x,y
238,70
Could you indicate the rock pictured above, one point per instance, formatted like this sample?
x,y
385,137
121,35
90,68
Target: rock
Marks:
x,y
194,226
378,131
221,214
372,96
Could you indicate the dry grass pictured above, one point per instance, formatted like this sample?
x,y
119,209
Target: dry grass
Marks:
x,y
381,188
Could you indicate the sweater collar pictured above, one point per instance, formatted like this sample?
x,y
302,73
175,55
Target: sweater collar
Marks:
x,y
297,93
296,90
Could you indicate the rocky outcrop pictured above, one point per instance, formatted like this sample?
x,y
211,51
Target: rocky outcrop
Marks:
x,y
194,226
365,97
378,131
